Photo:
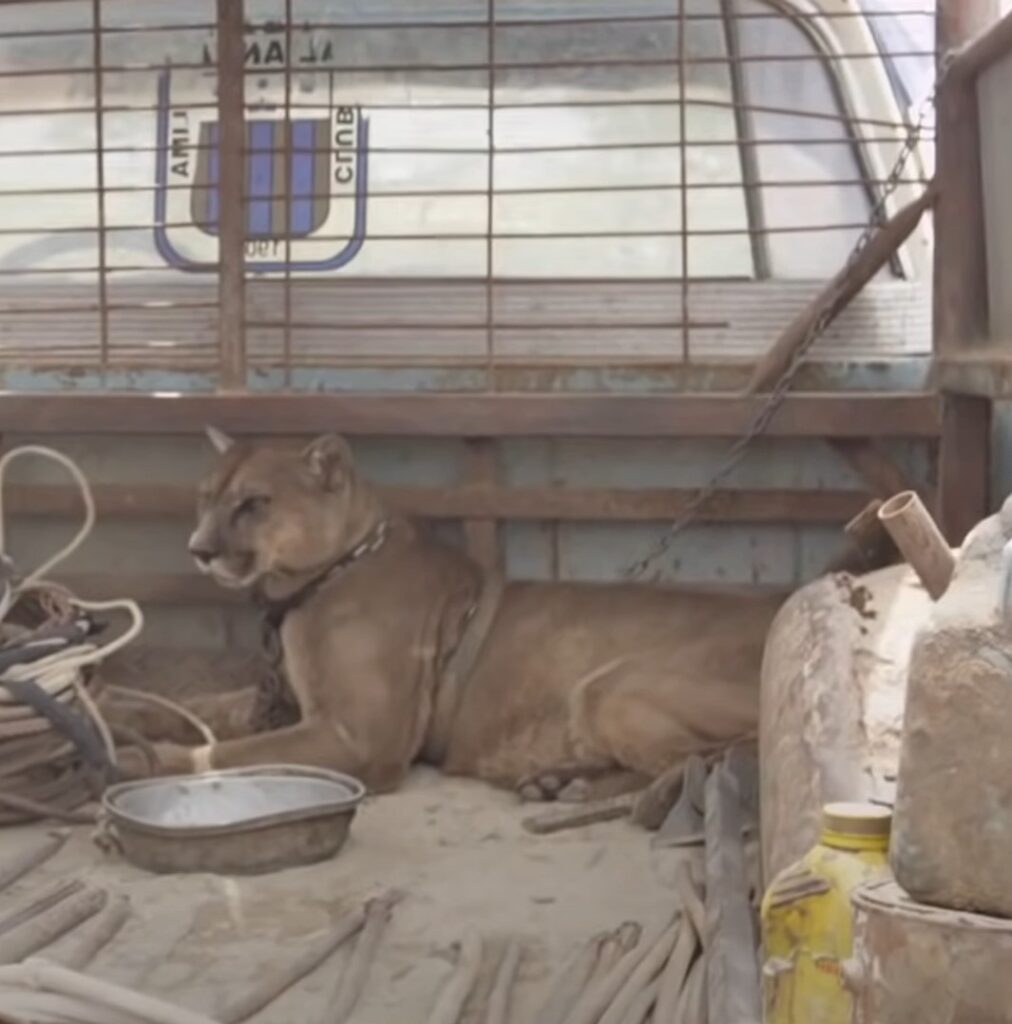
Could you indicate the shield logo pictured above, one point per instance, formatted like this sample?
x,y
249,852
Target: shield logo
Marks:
x,y
305,185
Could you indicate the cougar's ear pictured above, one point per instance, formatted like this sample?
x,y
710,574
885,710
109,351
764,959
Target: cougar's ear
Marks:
x,y
329,460
221,441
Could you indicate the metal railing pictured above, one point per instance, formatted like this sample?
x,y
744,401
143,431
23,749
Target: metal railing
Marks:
x,y
479,184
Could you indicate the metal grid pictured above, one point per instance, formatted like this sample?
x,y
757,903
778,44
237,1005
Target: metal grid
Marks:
x,y
225,188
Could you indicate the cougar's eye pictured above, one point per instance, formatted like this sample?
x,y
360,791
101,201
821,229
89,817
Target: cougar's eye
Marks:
x,y
252,505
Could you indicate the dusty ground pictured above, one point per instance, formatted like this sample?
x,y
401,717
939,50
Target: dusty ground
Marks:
x,y
458,851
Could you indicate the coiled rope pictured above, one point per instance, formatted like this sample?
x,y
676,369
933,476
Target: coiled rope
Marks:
x,y
56,750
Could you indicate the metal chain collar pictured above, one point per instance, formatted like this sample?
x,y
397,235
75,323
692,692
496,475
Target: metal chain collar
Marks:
x,y
780,390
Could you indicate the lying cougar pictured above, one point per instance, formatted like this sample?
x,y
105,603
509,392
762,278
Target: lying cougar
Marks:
x,y
397,649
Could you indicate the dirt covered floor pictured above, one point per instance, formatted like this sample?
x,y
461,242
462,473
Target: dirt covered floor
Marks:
x,y
458,852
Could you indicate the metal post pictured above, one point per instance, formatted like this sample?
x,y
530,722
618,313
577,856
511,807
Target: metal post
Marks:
x,y
958,21
231,199
960,296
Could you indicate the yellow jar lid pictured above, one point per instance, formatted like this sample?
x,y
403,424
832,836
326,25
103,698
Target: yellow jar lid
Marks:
x,y
856,819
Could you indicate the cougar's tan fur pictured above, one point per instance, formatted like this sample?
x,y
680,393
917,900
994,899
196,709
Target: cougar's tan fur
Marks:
x,y
573,681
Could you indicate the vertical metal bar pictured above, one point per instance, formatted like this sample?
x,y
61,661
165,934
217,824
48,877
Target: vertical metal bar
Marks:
x,y
287,200
103,277
745,131
490,376
683,154
231,197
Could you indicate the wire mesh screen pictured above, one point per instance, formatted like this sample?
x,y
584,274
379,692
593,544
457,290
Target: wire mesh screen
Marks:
x,y
221,187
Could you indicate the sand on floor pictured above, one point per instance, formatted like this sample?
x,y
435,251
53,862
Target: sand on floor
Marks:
x,y
458,852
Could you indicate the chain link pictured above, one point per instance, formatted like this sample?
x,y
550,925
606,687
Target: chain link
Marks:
x,y
736,453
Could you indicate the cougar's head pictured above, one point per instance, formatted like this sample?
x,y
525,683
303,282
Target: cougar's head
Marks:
x,y
266,512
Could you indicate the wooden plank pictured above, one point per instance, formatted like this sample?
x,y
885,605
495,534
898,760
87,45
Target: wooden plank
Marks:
x,y
231,215
883,477
966,22
964,466
151,588
476,502
985,372
882,414
481,534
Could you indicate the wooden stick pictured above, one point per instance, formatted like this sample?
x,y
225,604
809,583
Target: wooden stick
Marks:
x,y
691,1005
31,1005
31,857
571,980
603,991
692,900
643,1004
502,990
453,995
265,990
616,945
578,815
838,293
37,933
40,974
37,902
676,971
83,945
353,981
647,969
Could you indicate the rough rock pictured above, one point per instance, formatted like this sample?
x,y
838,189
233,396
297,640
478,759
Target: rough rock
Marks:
x,y
832,695
952,831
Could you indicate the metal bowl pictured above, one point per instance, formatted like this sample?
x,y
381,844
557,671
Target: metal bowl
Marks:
x,y
205,822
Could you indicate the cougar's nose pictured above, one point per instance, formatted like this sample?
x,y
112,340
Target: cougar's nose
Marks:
x,y
202,550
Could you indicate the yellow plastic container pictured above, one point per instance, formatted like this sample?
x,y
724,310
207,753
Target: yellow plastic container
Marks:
x,y
807,922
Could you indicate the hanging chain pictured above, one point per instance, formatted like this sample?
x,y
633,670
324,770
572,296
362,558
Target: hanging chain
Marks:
x,y
736,453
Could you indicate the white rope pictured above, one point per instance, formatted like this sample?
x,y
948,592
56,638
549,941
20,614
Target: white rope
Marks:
x,y
60,671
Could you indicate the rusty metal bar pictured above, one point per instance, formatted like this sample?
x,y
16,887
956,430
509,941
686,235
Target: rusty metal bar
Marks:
x,y
103,280
430,236
490,207
231,195
287,134
473,151
683,174
457,68
422,105
751,178
655,186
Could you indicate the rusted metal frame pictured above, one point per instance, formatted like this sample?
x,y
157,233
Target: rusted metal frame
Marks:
x,y
471,150
841,414
850,124
683,174
969,30
656,186
231,195
646,101
481,531
751,178
286,339
964,465
103,281
878,470
490,325
486,502
457,235
960,276
388,69
701,16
